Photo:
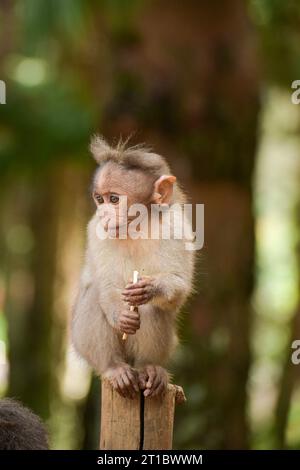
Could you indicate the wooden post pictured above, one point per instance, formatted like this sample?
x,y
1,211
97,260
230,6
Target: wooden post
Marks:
x,y
141,423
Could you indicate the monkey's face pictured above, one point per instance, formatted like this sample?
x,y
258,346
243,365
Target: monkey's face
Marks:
x,y
116,190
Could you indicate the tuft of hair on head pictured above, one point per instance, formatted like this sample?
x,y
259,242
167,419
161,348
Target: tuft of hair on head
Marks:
x,y
20,428
137,157
100,149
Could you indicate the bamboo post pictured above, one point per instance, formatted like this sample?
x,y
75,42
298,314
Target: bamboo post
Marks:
x,y
138,424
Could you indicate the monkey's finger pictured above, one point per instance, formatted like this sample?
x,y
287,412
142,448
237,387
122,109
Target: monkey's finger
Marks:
x,y
132,380
131,296
114,383
120,382
142,380
160,389
125,379
132,292
151,376
134,322
120,386
131,375
132,327
128,329
160,379
128,384
156,384
129,317
157,380
138,284
125,390
131,299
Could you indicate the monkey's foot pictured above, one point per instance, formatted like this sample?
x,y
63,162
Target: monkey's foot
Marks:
x,y
153,380
124,380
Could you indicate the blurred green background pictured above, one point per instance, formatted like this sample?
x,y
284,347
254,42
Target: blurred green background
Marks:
x,y
208,85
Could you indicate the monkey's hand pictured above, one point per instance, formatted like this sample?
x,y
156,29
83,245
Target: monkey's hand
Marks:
x,y
124,379
153,380
141,292
128,322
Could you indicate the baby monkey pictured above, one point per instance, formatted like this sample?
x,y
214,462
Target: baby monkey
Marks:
x,y
124,178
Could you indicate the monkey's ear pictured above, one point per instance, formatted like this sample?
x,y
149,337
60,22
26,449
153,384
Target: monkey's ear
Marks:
x,y
163,189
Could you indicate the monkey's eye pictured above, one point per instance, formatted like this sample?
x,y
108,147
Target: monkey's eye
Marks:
x,y
99,198
114,199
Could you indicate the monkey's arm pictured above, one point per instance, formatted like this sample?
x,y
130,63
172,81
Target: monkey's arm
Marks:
x,y
168,289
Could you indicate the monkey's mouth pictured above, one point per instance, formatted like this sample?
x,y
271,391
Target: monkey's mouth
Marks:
x,y
116,228
111,225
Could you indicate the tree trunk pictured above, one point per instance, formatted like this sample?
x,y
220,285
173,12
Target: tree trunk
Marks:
x,y
30,298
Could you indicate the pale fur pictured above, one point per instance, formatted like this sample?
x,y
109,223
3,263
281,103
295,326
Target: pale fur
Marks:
x,y
108,267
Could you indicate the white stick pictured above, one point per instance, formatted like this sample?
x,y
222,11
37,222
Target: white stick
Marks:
x,y
135,280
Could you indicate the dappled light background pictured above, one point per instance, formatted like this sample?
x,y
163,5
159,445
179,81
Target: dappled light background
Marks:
x,y
208,85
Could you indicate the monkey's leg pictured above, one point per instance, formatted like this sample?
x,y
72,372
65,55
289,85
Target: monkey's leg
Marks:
x,y
104,351
153,380
111,360
154,343
100,344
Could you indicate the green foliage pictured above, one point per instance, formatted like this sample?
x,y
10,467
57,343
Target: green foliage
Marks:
x,y
41,19
278,23
45,124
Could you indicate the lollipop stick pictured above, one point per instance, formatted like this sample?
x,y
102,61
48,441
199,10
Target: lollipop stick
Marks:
x,y
135,280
